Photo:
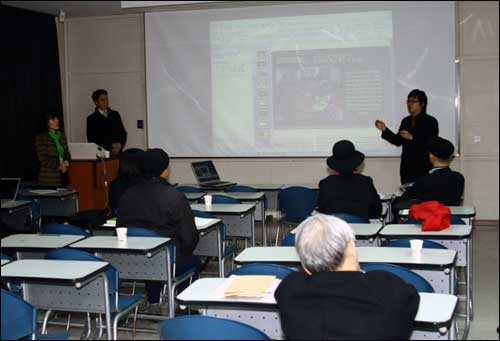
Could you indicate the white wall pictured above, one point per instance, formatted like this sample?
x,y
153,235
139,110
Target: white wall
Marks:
x,y
108,52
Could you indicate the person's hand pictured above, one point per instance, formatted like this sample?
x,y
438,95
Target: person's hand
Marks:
x,y
63,167
406,135
116,148
380,125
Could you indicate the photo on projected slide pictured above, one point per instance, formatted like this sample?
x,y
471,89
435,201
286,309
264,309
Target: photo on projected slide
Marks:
x,y
331,88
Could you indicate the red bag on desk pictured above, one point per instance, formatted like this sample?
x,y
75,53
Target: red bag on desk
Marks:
x,y
434,216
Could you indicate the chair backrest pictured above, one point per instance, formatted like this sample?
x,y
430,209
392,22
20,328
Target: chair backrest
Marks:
x,y
262,269
240,188
428,244
454,220
75,254
197,327
18,317
288,240
36,210
64,229
406,275
297,203
351,218
188,189
6,257
142,232
224,199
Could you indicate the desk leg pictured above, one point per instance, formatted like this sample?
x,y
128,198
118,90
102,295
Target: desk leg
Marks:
x,y
264,229
171,299
107,310
219,251
252,226
452,281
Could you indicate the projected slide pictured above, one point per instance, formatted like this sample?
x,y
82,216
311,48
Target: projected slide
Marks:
x,y
257,82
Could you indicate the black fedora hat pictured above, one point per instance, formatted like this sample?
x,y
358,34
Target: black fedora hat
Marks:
x,y
345,158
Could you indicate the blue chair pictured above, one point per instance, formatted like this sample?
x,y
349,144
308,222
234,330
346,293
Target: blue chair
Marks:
x,y
295,204
262,269
188,189
224,199
19,320
120,305
239,188
227,249
5,257
36,209
453,219
198,327
428,244
288,240
406,275
351,218
64,229
176,278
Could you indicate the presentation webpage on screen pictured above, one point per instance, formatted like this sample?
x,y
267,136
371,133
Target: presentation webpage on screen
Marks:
x,y
291,80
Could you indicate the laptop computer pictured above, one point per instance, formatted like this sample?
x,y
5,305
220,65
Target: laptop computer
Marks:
x,y
207,175
8,190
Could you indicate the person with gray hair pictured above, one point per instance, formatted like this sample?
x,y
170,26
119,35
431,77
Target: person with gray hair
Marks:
x,y
333,299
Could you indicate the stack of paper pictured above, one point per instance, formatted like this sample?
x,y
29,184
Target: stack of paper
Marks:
x,y
250,286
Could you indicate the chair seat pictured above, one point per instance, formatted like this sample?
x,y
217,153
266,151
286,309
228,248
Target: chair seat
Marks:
x,y
127,301
53,336
185,273
230,249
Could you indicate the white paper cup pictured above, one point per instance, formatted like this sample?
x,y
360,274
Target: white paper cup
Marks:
x,y
121,233
416,246
208,200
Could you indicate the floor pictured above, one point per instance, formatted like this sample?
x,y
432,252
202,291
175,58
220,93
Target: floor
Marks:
x,y
486,291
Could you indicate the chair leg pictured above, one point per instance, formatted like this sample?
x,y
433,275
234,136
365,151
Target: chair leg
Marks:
x,y
101,327
69,321
45,321
277,233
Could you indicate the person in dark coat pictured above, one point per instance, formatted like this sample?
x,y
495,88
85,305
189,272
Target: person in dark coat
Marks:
x,y
414,132
154,204
332,299
346,190
129,174
441,184
104,126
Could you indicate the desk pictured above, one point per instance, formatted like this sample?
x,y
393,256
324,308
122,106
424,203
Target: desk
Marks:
x,y
366,234
136,259
231,215
35,246
456,237
63,285
465,212
56,203
194,197
14,214
435,310
5,261
435,265
210,243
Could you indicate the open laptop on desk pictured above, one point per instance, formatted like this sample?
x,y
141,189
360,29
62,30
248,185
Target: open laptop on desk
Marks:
x,y
9,188
207,175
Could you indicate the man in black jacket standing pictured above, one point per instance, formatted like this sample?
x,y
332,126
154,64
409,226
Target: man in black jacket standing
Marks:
x,y
104,126
154,204
414,132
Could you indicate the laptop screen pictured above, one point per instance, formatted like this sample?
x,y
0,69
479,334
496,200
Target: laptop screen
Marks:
x,y
205,171
9,188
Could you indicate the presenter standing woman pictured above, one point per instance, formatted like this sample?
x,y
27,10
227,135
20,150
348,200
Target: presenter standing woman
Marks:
x,y
414,132
53,155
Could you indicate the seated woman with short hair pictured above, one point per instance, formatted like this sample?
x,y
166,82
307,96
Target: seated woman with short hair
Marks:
x,y
333,299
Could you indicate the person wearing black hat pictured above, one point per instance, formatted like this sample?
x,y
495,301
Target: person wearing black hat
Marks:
x,y
155,205
345,190
441,184
414,132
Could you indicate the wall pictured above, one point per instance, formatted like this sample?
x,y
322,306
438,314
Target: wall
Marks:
x,y
108,52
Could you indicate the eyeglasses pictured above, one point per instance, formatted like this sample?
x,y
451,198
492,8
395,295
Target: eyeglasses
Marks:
x,y
411,101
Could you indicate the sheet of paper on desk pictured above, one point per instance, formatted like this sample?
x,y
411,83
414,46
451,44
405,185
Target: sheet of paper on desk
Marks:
x,y
201,222
111,222
250,286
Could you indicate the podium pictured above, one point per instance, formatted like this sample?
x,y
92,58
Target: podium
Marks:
x,y
88,176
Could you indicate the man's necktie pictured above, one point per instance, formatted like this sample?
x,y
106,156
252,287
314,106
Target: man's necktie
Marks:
x,y
412,121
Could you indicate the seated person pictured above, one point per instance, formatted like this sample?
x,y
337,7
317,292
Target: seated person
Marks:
x,y
333,299
129,174
441,184
154,204
345,190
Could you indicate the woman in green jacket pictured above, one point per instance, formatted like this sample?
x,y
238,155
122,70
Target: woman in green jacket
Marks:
x,y
53,155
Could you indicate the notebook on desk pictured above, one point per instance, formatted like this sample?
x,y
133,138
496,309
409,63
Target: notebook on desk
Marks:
x,y
9,188
207,175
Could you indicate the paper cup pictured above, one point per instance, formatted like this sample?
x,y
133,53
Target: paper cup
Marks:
x,y
416,246
121,233
208,200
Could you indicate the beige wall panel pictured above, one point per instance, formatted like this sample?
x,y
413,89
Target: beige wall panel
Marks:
x,y
478,28
481,183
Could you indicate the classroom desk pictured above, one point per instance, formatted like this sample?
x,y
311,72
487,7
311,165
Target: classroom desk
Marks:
x,y
434,315
136,259
36,246
231,215
63,285
464,212
57,203
210,243
14,214
435,265
366,234
194,197
456,237
5,261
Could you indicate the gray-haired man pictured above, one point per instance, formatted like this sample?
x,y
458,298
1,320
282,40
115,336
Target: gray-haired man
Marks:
x,y
333,299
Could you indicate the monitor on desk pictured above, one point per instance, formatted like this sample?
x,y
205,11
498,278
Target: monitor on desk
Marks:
x,y
9,188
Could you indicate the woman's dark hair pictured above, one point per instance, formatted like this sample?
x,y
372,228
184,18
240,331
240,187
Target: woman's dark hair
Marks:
x,y
97,93
130,163
50,117
422,98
